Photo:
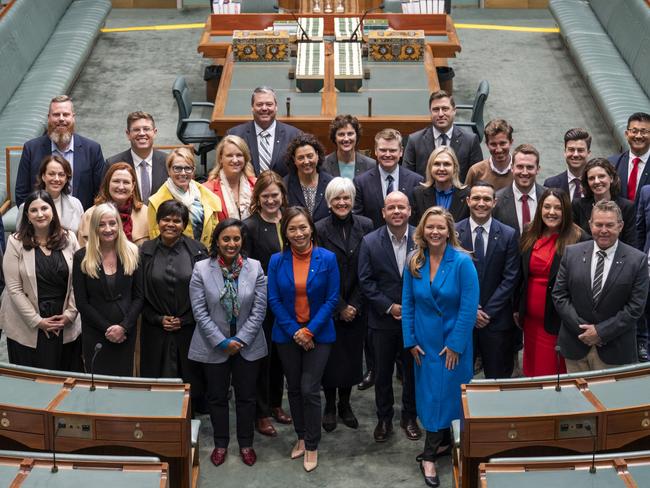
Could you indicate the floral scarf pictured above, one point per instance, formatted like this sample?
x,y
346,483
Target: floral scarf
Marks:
x,y
229,299
125,215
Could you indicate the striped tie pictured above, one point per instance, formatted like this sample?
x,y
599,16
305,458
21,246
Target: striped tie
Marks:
x,y
265,151
598,275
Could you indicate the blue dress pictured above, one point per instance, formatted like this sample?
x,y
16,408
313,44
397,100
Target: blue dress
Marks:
x,y
435,315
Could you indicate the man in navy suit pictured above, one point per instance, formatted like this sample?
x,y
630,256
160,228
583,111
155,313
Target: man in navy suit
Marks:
x,y
388,176
577,146
496,258
442,132
382,256
266,137
85,156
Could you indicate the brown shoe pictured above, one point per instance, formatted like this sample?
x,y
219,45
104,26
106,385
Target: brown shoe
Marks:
x,y
248,455
265,427
311,460
218,456
280,415
411,429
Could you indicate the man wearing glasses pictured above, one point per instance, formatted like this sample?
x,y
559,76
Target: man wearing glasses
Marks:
x,y
149,165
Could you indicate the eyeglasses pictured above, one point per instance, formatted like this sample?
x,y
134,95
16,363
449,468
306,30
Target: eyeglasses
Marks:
x,y
145,130
182,169
638,132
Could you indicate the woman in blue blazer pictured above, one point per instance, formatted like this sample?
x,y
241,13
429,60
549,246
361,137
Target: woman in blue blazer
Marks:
x,y
303,294
439,303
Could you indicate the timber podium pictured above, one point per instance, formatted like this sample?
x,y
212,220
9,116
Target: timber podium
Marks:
x,y
599,411
52,410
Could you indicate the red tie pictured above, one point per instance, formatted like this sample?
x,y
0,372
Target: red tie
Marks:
x,y
631,183
525,212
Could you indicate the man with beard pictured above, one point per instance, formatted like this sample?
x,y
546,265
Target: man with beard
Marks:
x,y
85,156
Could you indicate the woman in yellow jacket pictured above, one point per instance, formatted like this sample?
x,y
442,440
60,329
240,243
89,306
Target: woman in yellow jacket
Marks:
x,y
202,204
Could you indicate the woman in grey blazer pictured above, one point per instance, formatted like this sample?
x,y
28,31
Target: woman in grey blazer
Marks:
x,y
228,295
346,161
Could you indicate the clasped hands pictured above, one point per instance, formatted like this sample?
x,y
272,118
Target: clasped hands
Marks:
x,y
53,325
116,334
451,357
590,335
304,339
171,323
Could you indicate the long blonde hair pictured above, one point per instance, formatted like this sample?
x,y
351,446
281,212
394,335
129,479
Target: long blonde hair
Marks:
x,y
240,144
455,175
126,251
418,258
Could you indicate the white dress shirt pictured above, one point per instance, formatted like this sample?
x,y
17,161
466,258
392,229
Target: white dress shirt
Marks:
x,y
400,248
609,259
630,167
486,233
137,160
438,139
271,139
497,170
532,204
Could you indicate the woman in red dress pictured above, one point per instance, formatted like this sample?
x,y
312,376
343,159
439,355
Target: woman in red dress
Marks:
x,y
542,245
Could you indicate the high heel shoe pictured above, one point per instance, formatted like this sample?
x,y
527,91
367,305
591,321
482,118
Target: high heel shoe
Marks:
x,y
298,449
311,460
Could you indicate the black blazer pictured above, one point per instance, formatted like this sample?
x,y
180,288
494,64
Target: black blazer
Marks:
x,y
262,240
158,167
296,197
362,163
558,181
582,214
421,144
425,197
370,199
621,162
347,256
505,211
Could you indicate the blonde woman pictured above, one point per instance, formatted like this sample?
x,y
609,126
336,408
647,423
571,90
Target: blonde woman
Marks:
x,y
439,303
203,205
108,293
232,179
441,187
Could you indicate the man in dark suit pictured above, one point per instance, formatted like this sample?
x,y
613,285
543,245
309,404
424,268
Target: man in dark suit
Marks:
x,y
600,294
517,203
496,257
577,145
632,165
85,156
373,185
382,257
149,165
442,132
266,137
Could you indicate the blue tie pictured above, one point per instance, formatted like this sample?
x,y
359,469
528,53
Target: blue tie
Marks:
x,y
479,250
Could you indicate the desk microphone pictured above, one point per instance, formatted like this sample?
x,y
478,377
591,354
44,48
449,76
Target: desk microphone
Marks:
x,y
354,37
98,347
304,37
558,350
592,468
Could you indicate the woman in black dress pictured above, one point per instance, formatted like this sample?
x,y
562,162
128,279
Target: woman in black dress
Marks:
x,y
108,293
167,320
263,240
342,233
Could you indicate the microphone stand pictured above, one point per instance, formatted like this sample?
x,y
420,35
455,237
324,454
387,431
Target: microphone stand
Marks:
x,y
304,37
98,347
557,367
354,37
55,429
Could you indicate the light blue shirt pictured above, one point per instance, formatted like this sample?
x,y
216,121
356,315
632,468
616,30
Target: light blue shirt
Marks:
x,y
384,184
347,170
68,155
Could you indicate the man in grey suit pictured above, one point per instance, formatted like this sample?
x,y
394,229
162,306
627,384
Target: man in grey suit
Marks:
x,y
600,294
442,132
149,165
517,203
266,137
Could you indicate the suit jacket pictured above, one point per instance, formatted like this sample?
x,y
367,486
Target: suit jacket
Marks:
x,y
370,199
621,162
379,277
323,285
500,275
643,220
158,167
362,163
70,216
296,197
425,197
505,211
284,134
212,325
558,181
421,144
87,172
582,214
616,312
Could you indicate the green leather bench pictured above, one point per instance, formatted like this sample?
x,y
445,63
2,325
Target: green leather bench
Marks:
x,y
610,43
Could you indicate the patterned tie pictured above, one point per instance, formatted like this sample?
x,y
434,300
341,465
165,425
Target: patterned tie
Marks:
x,y
389,184
577,192
145,182
479,250
444,140
598,275
525,211
631,182
265,151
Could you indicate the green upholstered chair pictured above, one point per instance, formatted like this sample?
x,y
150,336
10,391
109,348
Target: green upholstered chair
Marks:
x,y
476,122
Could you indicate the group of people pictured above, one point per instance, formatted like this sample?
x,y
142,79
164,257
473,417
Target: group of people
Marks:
x,y
289,263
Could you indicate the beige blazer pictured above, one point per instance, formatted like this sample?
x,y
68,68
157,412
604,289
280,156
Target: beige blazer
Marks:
x,y
19,316
139,233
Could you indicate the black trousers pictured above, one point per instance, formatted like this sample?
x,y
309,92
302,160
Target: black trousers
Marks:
x,y
49,353
433,441
242,374
304,371
270,379
496,348
387,345
369,351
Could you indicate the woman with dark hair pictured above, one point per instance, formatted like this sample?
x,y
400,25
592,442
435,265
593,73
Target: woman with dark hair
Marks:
x,y
303,294
228,295
38,313
346,161
120,187
167,320
542,246
54,177
263,240
306,182
600,181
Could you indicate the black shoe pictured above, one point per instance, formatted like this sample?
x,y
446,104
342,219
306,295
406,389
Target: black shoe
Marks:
x,y
329,421
347,416
432,481
368,381
642,352
411,429
383,430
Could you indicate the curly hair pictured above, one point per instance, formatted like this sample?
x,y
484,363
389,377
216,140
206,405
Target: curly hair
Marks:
x,y
300,141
